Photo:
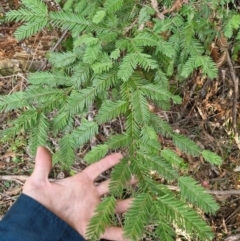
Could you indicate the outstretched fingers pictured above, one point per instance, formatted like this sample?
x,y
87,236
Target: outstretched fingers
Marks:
x,y
123,205
103,187
94,170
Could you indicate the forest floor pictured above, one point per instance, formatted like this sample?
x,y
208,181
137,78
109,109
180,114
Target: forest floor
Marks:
x,y
205,116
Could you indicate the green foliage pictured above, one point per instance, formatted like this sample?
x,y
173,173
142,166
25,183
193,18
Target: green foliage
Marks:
x,y
186,145
105,212
184,217
211,157
172,157
96,153
110,110
120,176
232,24
135,223
120,61
196,194
99,16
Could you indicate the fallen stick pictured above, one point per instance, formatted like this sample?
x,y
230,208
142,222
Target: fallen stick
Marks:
x,y
214,192
174,188
233,237
13,178
226,192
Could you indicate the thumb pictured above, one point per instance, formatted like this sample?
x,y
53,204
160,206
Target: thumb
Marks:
x,y
43,164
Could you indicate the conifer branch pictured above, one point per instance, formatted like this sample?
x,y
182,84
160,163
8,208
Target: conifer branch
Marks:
x,y
120,59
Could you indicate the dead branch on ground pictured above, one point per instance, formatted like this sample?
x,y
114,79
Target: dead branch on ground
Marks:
x,y
174,188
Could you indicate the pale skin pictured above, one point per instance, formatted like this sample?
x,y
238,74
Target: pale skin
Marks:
x,y
75,198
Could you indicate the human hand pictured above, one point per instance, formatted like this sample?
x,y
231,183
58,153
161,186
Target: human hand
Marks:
x,y
75,198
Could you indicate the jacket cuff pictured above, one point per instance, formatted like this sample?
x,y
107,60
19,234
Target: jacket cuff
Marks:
x,y
28,220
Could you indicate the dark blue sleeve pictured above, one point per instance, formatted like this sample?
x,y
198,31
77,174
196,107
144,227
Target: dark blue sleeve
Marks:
x,y
28,220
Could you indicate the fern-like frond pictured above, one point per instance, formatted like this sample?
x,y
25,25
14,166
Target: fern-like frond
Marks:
x,y
102,218
172,157
126,91
60,121
115,54
186,145
110,110
91,8
104,81
145,39
25,122
81,74
99,16
49,79
140,171
66,153
108,37
145,14
155,92
152,146
35,6
161,79
30,28
139,106
160,125
118,141
149,140
148,134
164,231
137,216
238,35
207,65
196,48
68,5
39,134
212,157
187,33
11,102
92,52
146,61
186,218
130,62
79,100
84,132
133,131
89,40
165,48
209,68
127,67
80,5
68,20
232,24
193,192
21,14
100,67
120,176
84,40
113,6
97,153
156,163
60,60
188,67
42,95
22,99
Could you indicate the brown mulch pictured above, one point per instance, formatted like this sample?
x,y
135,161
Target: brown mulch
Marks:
x,y
205,116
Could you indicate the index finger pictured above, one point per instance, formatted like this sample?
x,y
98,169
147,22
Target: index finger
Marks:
x,y
94,170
